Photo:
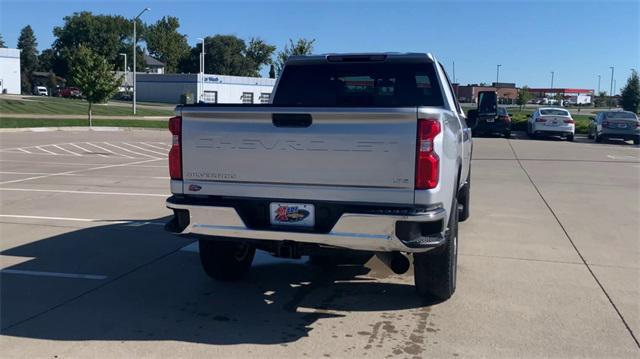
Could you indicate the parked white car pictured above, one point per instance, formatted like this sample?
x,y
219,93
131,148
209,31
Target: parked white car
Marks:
x,y
40,91
551,121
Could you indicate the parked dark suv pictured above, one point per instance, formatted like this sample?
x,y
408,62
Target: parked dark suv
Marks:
x,y
490,120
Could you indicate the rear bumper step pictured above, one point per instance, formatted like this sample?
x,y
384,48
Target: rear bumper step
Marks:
x,y
407,232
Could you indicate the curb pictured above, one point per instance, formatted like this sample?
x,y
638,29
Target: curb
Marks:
x,y
78,128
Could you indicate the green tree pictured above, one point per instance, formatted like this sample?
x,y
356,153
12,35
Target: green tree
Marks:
x,y
228,55
523,96
165,43
93,75
28,56
259,53
601,99
300,47
2,45
105,35
52,83
631,93
46,60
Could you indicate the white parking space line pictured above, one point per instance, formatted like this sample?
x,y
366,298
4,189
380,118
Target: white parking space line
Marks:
x,y
134,152
158,147
27,173
78,164
80,170
90,220
47,151
66,150
107,150
87,151
23,150
85,192
54,274
144,149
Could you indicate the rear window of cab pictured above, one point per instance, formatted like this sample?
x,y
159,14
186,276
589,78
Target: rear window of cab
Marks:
x,y
372,84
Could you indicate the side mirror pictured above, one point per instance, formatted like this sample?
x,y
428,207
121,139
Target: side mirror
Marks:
x,y
472,118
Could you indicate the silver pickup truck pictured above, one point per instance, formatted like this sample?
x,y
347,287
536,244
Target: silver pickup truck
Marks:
x,y
357,154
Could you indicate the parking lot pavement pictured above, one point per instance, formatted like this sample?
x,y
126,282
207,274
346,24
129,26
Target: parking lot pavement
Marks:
x,y
549,263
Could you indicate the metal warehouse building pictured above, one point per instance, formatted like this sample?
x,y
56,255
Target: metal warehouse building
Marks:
x,y
10,71
206,88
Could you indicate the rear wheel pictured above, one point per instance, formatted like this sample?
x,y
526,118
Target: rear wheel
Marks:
x,y
435,271
570,138
507,134
598,138
226,261
590,135
636,141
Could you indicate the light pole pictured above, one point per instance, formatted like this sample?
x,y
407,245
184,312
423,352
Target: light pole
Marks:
x,y
498,74
135,45
201,92
598,83
552,74
611,88
125,68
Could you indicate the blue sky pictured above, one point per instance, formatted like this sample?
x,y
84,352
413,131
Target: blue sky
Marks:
x,y
577,40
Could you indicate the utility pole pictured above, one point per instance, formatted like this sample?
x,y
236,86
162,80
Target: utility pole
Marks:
x,y
497,75
598,83
201,92
135,45
126,82
552,74
611,88
454,72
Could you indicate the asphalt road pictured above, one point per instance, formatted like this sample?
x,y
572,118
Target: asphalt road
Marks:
x,y
549,264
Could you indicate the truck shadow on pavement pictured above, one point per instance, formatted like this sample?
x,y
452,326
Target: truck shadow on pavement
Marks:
x,y
153,290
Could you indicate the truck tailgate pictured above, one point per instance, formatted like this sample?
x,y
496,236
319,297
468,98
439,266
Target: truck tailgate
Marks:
x,y
237,150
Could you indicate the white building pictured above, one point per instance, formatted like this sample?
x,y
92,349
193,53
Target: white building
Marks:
x,y
208,88
10,71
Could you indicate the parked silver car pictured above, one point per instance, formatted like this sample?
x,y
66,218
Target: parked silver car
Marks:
x,y
615,124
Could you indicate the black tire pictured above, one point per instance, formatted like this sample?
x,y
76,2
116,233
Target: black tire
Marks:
x,y
598,138
590,135
435,271
570,138
507,134
636,141
344,257
226,260
464,199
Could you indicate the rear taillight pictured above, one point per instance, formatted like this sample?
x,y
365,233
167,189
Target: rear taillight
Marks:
x,y
175,154
427,161
569,121
504,118
540,120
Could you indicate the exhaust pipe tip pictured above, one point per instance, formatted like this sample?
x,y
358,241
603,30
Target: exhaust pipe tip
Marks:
x,y
398,263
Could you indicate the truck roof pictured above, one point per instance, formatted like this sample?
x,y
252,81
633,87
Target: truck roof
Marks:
x,y
362,56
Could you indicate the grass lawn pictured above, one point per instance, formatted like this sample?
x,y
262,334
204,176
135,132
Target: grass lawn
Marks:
x,y
63,106
48,122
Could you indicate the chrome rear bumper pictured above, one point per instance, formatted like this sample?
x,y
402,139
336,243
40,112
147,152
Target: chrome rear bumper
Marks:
x,y
370,232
